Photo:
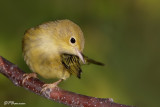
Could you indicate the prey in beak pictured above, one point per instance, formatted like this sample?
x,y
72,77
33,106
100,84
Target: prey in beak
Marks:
x,y
79,54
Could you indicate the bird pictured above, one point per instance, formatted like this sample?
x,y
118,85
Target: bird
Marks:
x,y
54,49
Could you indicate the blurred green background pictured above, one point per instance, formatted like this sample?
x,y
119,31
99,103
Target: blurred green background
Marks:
x,y
124,34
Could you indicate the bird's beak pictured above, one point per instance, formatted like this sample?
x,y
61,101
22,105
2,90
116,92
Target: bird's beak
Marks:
x,y
79,54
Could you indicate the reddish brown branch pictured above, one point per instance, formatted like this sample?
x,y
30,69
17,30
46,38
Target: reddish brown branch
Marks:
x,y
16,75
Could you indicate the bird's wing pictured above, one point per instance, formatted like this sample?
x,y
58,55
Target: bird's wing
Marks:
x,y
72,63
88,61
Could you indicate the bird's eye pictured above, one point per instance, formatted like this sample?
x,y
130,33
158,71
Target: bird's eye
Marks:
x,y
72,40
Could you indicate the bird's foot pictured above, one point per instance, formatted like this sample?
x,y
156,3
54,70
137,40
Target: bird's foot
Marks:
x,y
27,76
50,86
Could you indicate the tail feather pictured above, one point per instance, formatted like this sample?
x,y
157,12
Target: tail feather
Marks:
x,y
88,61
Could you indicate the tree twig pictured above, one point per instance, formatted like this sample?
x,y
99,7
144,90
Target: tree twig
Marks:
x,y
16,75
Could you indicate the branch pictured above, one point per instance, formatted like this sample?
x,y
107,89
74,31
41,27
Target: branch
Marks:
x,y
57,94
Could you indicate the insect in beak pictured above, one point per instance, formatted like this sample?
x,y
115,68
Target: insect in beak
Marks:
x,y
79,54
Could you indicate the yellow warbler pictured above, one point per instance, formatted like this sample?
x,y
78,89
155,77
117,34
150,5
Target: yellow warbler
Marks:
x,y
54,49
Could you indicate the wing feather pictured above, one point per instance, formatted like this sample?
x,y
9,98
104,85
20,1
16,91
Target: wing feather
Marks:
x,y
72,64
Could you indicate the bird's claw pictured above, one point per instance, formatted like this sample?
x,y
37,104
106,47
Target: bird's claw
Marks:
x,y
27,76
50,86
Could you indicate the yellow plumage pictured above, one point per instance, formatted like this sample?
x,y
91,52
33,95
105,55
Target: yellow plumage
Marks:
x,y
54,49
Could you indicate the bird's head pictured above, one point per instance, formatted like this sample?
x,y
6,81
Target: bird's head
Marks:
x,y
62,36
69,38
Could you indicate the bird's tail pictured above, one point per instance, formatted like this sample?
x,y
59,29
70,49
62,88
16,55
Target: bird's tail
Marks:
x,y
88,61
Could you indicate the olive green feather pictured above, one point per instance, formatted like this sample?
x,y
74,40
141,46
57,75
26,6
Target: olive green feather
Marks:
x,y
88,61
73,64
